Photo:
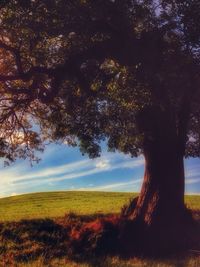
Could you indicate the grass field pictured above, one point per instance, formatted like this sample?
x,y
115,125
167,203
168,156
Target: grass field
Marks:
x,y
57,204
31,234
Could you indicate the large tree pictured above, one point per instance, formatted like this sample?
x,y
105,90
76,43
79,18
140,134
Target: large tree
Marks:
x,y
126,72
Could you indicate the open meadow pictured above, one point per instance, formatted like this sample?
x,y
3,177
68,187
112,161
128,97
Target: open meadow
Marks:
x,y
33,230
57,204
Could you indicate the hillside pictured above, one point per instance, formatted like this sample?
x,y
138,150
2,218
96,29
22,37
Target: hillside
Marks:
x,y
57,204
43,237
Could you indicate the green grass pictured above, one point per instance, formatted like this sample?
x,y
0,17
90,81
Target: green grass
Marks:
x,y
57,204
39,242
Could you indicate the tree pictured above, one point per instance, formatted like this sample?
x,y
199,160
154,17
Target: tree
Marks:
x,y
126,72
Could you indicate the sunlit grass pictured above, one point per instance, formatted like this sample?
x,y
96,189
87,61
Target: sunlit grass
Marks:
x,y
57,204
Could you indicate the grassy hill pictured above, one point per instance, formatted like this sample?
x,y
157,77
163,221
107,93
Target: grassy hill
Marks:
x,y
33,230
57,204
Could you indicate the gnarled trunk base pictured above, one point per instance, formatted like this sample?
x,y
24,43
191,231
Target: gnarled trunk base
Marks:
x,y
156,222
163,237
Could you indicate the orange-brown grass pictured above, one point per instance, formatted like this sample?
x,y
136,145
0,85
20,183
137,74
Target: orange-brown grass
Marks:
x,y
64,240
56,241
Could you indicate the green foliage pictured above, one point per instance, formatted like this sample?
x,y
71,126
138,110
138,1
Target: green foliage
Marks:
x,y
84,70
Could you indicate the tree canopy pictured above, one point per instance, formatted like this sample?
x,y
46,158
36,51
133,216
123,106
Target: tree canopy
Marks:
x,y
83,71
125,72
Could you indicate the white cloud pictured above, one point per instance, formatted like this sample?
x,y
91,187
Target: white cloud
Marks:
x,y
192,181
103,164
191,172
20,178
112,187
17,178
79,169
48,172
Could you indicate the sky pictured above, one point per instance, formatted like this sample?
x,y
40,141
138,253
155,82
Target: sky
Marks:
x,y
64,168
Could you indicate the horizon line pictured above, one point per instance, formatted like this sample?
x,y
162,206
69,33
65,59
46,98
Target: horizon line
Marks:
x,y
86,191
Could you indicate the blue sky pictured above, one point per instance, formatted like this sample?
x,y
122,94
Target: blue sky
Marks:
x,y
64,168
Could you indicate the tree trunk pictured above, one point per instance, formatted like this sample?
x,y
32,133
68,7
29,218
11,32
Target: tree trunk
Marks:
x,y
162,193
157,218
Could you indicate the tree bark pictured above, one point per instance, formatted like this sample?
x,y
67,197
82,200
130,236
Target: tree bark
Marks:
x,y
162,193
156,220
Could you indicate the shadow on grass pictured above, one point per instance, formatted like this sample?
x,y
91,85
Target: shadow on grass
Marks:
x,y
83,239
27,240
